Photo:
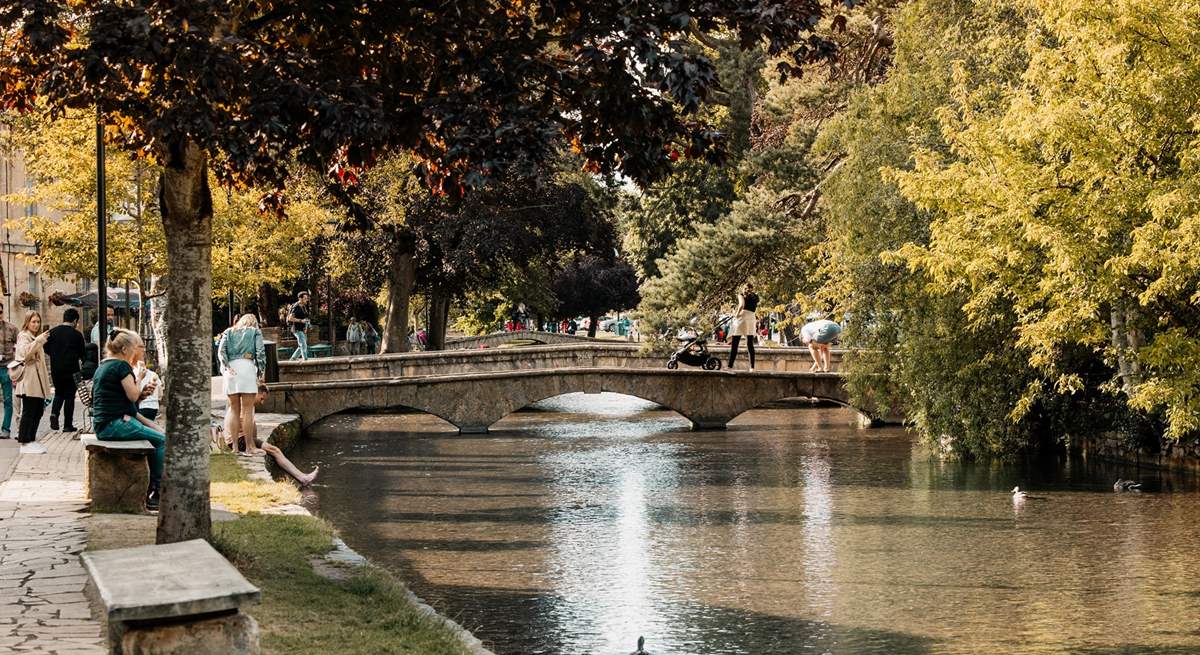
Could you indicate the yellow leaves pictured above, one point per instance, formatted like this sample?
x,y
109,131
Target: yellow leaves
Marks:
x,y
1074,189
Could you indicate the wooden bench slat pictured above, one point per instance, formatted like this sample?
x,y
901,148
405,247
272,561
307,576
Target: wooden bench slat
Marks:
x,y
167,581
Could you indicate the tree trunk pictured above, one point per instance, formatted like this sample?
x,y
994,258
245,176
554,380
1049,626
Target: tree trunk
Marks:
x,y
593,323
158,322
439,314
402,273
329,307
186,205
268,305
1126,340
142,293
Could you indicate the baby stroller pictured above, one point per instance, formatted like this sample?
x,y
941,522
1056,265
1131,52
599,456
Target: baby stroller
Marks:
x,y
693,351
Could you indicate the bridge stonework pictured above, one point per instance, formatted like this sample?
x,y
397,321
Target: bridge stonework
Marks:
x,y
581,355
498,339
473,402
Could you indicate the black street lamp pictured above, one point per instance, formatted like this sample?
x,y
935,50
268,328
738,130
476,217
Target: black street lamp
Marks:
x,y
101,250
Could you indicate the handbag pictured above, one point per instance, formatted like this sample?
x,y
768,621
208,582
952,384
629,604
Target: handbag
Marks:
x,y
16,370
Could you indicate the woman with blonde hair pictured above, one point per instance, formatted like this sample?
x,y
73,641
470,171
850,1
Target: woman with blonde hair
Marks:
x,y
243,362
34,387
115,397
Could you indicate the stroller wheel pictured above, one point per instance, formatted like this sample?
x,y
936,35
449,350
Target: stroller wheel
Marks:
x,y
672,364
713,364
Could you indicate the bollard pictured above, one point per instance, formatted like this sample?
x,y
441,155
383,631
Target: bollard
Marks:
x,y
272,349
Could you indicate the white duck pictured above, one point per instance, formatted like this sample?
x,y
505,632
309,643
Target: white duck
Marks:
x,y
1020,496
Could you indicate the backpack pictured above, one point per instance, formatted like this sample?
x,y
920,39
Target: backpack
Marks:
x,y
16,370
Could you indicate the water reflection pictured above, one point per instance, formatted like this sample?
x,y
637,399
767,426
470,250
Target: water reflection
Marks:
x,y
578,527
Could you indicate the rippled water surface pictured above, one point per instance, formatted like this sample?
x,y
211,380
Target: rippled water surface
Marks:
x,y
579,527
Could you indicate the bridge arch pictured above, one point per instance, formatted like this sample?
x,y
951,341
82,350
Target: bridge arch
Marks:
x,y
472,403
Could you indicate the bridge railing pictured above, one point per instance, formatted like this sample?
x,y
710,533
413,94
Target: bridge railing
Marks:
x,y
582,355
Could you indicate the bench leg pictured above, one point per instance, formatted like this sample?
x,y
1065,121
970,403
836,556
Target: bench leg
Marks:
x,y
232,634
117,482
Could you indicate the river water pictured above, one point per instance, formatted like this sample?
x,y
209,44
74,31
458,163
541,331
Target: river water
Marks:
x,y
595,519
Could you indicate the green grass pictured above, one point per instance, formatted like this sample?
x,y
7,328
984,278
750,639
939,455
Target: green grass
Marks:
x,y
305,613
223,467
232,490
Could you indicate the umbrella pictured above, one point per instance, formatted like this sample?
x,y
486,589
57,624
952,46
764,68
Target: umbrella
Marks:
x,y
116,298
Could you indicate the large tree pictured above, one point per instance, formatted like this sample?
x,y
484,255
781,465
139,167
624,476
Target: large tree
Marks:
x,y
470,88
1064,205
591,285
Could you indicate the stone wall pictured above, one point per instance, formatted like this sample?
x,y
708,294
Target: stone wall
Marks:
x,y
588,355
1184,455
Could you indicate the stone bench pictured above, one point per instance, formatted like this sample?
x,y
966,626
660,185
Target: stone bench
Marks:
x,y
173,599
118,474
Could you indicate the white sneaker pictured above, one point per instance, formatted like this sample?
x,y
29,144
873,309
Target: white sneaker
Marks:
x,y
33,448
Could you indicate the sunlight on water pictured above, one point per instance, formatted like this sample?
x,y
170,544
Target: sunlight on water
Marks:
x,y
589,520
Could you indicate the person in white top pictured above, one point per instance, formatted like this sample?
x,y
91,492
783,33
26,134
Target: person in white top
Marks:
x,y
354,336
145,377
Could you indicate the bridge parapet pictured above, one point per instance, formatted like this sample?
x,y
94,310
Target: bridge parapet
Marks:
x,y
580,355
473,402
499,339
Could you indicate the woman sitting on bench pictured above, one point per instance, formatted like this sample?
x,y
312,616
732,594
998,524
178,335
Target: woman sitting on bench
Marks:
x,y
115,397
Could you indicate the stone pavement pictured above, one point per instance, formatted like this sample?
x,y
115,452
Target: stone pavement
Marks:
x,y
42,605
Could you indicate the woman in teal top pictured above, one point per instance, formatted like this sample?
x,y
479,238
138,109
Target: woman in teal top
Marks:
x,y
115,396
243,363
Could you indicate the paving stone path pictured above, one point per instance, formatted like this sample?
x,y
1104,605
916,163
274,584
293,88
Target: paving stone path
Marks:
x,y
42,605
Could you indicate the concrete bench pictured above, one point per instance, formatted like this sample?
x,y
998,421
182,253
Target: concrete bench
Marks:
x,y
173,599
118,474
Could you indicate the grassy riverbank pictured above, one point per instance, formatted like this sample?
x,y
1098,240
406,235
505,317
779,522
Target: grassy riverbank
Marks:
x,y
363,610
338,610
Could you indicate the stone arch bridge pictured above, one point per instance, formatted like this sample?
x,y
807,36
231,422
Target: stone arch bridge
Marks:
x,y
497,339
474,401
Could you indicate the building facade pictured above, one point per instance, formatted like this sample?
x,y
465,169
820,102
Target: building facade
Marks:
x,y
24,288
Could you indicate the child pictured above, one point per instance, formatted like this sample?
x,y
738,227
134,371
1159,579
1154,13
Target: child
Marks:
x,y
148,379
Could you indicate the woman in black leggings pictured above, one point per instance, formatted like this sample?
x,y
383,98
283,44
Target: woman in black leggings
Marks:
x,y
745,324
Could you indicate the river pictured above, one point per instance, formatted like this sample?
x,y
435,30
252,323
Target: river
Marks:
x,y
577,527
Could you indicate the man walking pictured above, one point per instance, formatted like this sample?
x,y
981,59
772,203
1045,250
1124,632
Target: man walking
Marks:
x,y
354,335
8,346
64,345
110,317
298,322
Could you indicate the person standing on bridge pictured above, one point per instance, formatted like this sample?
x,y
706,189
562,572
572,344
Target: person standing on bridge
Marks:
x,y
819,335
297,320
354,336
745,324
370,337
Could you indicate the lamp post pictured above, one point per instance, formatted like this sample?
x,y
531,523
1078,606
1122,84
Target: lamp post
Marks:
x,y
101,250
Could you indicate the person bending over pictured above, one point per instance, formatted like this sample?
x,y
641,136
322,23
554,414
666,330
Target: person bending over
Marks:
x,y
284,463
819,335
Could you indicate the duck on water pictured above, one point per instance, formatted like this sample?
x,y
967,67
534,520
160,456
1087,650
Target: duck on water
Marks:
x,y
1018,495
1127,485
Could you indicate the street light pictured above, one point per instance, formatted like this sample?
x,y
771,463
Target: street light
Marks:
x,y
101,250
